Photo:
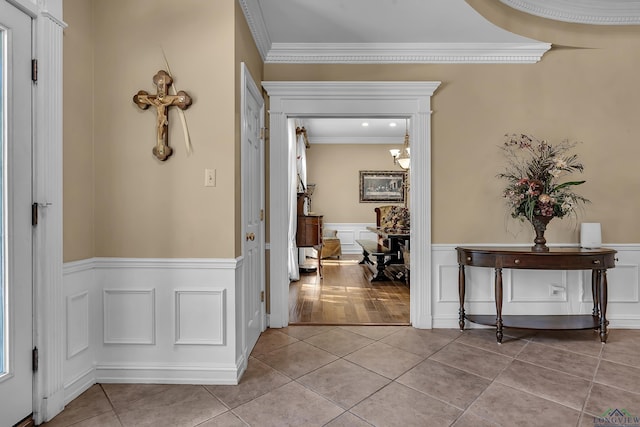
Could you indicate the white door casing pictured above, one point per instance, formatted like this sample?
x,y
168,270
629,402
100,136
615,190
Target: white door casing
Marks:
x,y
16,383
252,107
352,99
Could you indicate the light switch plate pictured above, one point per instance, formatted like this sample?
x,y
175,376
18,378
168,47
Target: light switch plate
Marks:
x,y
209,177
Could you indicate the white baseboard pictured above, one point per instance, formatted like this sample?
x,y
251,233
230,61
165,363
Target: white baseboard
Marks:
x,y
167,374
79,385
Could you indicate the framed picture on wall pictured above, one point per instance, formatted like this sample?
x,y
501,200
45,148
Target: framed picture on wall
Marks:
x,y
382,186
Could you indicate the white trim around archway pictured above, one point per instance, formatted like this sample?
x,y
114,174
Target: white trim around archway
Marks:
x,y
352,99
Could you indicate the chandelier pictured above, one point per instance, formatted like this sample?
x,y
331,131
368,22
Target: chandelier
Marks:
x,y
402,157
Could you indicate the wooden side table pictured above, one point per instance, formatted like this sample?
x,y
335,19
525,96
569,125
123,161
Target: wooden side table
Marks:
x,y
596,260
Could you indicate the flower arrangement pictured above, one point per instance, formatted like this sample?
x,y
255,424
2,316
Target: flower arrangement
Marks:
x,y
534,171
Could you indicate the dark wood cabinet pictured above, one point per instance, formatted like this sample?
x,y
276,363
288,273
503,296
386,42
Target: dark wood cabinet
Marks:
x,y
309,231
596,260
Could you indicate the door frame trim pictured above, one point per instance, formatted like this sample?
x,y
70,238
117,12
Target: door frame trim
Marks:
x,y
352,99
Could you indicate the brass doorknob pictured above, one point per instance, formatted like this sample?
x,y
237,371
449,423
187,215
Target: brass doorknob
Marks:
x,y
250,236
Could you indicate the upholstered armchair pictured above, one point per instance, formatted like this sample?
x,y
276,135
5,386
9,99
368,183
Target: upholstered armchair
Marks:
x,y
391,217
331,246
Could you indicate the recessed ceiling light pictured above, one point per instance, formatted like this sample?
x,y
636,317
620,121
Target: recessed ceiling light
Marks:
x,y
365,124
393,124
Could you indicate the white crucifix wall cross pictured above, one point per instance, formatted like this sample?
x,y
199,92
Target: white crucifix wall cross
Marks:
x,y
162,101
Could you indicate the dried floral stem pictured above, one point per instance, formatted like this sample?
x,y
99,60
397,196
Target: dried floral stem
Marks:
x,y
534,169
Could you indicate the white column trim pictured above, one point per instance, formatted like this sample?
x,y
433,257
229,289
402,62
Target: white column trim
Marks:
x,y
279,273
47,188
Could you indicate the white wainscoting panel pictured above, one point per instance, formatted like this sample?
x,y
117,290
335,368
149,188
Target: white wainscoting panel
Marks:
x,y
348,233
129,316
165,361
151,321
447,273
80,334
543,286
77,323
535,291
200,317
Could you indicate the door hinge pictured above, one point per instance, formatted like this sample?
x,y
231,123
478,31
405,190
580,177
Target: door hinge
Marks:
x,y
261,296
263,133
34,214
261,214
34,70
34,359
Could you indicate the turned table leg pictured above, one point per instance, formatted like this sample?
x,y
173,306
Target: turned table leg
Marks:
x,y
602,282
594,292
380,266
498,289
461,289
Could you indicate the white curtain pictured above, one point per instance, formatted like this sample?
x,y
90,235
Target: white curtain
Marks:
x,y
301,161
294,270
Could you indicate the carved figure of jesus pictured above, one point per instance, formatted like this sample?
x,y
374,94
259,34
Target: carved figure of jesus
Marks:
x,y
162,101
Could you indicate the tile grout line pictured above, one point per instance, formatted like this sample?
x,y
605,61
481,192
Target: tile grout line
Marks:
x,y
113,407
468,408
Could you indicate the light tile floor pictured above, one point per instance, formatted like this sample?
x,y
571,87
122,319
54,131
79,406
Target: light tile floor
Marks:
x,y
392,376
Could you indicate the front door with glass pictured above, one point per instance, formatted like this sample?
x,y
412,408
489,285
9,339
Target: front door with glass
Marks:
x,y
16,289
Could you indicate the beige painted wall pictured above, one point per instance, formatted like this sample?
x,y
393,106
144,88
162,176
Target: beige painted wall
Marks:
x,y
144,207
335,169
586,94
78,180
120,201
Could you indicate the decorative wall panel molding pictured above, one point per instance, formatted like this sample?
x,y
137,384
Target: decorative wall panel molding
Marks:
x,y
200,317
139,309
129,316
623,273
541,286
349,232
77,323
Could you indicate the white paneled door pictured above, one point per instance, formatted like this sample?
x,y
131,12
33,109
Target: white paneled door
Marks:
x,y
16,317
253,210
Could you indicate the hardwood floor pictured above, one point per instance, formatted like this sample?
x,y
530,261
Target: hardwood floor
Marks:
x,y
345,296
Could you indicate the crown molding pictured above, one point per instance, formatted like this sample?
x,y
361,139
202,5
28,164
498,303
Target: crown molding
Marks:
x,y
384,53
257,26
400,53
596,12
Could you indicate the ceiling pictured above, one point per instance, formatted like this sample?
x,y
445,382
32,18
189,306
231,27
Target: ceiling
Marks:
x,y
410,31
404,31
352,131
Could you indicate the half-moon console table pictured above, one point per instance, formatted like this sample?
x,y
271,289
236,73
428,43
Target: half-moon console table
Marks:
x,y
596,260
